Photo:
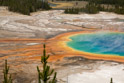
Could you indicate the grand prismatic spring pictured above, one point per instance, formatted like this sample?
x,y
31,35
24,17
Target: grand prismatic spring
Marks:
x,y
105,43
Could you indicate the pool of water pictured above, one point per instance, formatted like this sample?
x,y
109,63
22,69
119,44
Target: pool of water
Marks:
x,y
99,43
53,5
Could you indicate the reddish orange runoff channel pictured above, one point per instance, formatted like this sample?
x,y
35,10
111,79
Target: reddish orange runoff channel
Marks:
x,y
55,46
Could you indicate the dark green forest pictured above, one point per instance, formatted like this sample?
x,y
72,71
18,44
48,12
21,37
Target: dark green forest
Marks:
x,y
95,6
112,2
72,11
25,6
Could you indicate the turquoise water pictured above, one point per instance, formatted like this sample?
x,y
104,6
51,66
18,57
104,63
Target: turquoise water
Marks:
x,y
99,43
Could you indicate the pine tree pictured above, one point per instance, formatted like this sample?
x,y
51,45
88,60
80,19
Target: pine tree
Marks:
x,y
7,77
66,11
45,75
25,6
111,80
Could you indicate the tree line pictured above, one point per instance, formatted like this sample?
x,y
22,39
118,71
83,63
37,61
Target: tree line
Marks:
x,y
25,6
111,2
72,11
93,8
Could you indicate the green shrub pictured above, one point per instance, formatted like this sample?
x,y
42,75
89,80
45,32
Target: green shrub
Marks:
x,y
111,80
72,11
7,77
45,75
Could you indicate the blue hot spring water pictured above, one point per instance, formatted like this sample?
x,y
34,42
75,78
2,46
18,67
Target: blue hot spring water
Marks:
x,y
99,43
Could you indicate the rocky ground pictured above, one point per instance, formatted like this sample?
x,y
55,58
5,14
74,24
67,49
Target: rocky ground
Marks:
x,y
82,70
42,24
45,24
70,70
22,37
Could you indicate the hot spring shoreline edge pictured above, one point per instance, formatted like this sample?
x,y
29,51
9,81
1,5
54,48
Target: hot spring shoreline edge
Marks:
x,y
66,37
